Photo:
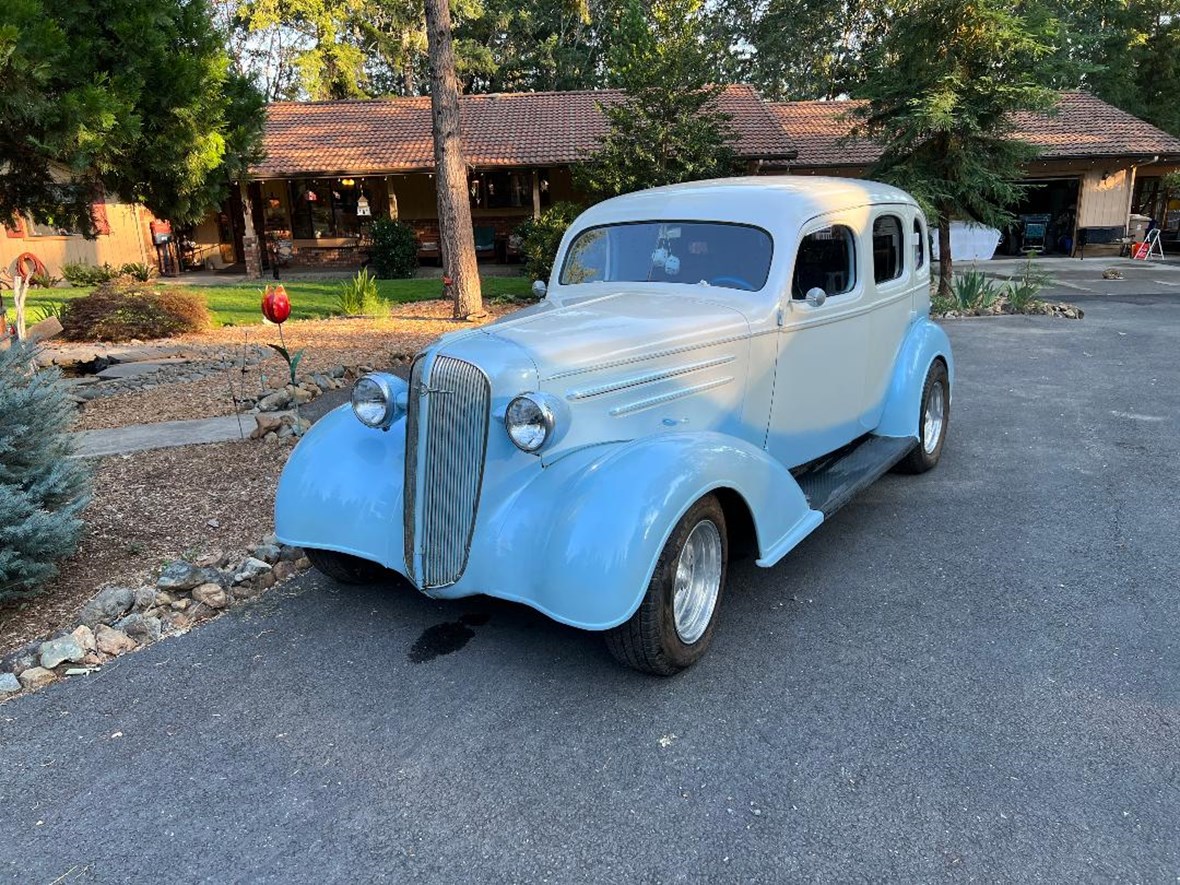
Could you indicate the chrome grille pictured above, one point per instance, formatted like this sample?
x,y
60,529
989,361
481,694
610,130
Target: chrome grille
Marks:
x,y
447,432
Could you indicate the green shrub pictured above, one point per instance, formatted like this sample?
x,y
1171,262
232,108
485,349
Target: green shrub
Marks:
x,y
973,290
42,489
394,252
1022,291
121,309
79,273
540,238
44,280
358,296
47,310
143,273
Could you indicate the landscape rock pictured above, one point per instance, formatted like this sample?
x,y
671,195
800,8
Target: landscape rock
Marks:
x,y
303,563
145,597
180,575
142,628
113,642
36,677
290,554
60,650
213,559
273,402
265,582
84,636
271,437
265,424
181,604
301,396
22,658
283,570
267,552
250,569
212,595
8,683
110,603
163,597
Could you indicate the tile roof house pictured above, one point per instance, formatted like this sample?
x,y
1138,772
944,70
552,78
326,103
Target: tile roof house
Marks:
x,y
524,129
1082,126
329,167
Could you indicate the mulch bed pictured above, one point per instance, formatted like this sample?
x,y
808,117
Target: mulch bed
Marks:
x,y
326,343
151,507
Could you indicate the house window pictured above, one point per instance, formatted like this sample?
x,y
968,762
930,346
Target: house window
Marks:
x,y
887,263
35,229
826,260
327,207
919,245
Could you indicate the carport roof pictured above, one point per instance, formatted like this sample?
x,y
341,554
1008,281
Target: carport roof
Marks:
x,y
506,129
1082,127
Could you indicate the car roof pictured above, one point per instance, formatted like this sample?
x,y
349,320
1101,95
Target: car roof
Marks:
x,y
769,201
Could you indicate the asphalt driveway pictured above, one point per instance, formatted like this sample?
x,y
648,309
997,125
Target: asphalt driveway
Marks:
x,y
970,675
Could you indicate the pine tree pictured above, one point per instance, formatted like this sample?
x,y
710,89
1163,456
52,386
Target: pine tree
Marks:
x,y
42,489
943,87
667,129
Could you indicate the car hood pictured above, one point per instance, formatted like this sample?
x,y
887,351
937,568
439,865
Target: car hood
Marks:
x,y
592,334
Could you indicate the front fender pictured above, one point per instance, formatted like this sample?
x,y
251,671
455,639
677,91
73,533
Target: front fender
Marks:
x,y
924,343
581,541
342,490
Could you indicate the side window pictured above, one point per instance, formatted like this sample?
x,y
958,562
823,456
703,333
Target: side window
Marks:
x,y
919,245
827,260
887,248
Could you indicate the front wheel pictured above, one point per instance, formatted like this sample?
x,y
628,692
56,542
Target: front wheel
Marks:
x,y
933,420
674,624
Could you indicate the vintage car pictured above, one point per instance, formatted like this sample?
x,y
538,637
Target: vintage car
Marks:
x,y
714,366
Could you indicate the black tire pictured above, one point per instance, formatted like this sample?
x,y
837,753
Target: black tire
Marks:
x,y
921,458
649,641
345,568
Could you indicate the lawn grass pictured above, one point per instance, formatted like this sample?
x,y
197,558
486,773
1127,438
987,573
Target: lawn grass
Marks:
x,y
238,304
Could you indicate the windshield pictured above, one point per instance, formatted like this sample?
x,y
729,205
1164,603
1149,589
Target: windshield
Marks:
x,y
733,256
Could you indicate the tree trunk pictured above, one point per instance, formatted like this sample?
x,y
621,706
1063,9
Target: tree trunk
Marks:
x,y
945,266
456,235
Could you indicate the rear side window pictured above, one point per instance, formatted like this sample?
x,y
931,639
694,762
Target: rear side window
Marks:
x,y
826,260
887,248
919,245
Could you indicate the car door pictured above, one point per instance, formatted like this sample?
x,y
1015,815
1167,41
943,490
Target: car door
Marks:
x,y
898,260
819,391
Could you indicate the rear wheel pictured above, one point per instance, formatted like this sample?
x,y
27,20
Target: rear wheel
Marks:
x,y
674,624
345,568
933,420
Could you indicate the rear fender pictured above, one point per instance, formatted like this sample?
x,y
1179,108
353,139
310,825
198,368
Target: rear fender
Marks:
x,y
924,343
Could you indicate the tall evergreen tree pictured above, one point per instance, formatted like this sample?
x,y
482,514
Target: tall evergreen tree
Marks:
x,y
133,95
667,128
42,489
943,86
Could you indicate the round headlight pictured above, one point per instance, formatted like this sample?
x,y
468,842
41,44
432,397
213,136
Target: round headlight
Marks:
x,y
374,399
529,422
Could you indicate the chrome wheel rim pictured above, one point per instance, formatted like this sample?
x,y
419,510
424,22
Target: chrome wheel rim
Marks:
x,y
698,581
934,419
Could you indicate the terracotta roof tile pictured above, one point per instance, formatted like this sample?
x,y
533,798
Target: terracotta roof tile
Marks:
x,y
1083,126
509,129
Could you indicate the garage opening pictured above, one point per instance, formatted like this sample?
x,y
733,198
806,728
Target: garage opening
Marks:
x,y
1045,218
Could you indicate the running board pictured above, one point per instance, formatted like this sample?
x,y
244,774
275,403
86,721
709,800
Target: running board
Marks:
x,y
833,482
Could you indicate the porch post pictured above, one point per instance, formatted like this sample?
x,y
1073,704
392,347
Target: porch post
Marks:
x,y
536,194
250,244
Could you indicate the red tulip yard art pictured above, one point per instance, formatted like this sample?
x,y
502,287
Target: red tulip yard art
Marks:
x,y
276,307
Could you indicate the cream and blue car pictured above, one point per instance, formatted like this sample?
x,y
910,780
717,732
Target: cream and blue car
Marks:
x,y
714,366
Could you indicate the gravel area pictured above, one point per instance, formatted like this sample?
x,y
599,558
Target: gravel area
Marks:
x,y
150,507
326,344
